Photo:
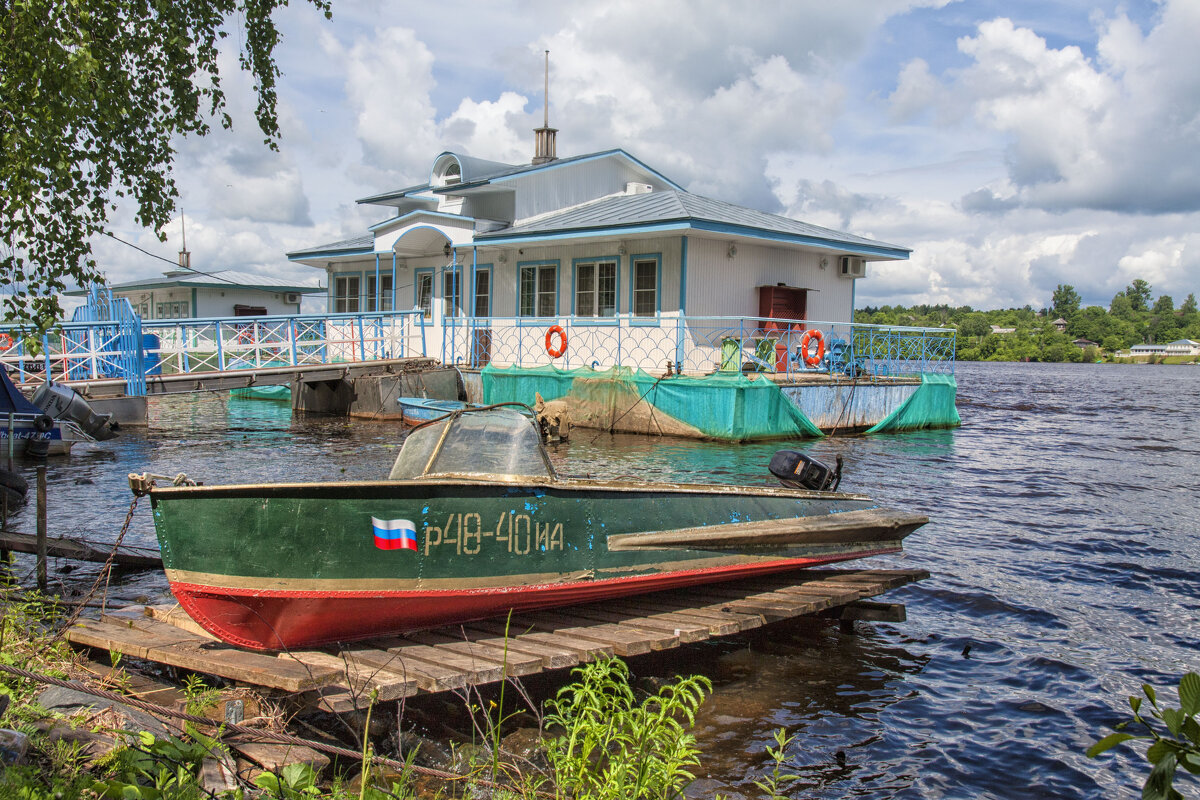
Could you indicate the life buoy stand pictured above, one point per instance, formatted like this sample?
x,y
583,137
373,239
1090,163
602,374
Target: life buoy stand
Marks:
x,y
805,341
556,352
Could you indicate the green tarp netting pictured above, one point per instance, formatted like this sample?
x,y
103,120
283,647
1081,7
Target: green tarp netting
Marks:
x,y
930,406
722,406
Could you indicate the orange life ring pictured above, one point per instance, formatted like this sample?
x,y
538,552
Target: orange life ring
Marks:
x,y
6,341
805,340
556,352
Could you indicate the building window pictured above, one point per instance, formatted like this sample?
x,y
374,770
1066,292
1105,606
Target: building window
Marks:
x,y
346,294
483,293
451,294
596,289
385,298
423,288
539,290
645,286
176,310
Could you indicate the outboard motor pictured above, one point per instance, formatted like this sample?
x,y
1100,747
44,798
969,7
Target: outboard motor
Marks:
x,y
798,471
63,402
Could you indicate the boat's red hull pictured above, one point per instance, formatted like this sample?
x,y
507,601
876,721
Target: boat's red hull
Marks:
x,y
277,620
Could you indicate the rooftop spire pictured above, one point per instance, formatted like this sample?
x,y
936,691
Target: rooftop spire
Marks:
x,y
185,258
544,148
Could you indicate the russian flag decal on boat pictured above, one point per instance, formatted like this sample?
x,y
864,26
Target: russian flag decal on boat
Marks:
x,y
394,534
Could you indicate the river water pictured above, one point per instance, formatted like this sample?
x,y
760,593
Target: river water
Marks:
x,y
1063,549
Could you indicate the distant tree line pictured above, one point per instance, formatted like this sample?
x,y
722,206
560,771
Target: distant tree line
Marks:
x,y
1131,318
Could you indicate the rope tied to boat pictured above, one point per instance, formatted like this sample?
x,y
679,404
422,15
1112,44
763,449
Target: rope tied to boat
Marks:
x,y
141,483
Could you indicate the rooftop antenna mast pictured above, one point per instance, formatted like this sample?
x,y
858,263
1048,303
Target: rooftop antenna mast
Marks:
x,y
544,147
185,258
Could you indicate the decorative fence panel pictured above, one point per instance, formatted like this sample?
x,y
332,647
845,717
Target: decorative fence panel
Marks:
x,y
701,345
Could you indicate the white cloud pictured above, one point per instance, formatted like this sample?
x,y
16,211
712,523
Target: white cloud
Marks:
x,y
1009,164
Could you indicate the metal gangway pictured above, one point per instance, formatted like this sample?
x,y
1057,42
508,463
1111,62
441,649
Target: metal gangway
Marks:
x,y
109,349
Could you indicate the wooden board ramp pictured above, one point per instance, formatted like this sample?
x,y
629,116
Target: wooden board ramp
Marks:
x,y
485,651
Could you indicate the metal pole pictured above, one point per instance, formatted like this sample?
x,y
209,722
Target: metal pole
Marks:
x,y
41,528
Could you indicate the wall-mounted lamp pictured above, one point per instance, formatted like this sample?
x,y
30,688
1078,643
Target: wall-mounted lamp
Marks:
x,y
446,250
732,251
824,262
621,249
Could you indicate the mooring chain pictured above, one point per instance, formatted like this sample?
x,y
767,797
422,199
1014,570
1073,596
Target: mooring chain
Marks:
x,y
105,570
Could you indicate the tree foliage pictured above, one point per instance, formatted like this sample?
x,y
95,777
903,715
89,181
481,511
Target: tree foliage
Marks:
x,y
1066,300
1138,293
1036,338
93,94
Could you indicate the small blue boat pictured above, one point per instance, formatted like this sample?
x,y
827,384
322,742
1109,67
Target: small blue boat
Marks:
x,y
25,429
418,410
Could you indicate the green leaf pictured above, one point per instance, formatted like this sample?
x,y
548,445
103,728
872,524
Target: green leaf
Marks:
x,y
1148,690
1135,703
1173,719
1159,750
1189,694
1109,742
1158,784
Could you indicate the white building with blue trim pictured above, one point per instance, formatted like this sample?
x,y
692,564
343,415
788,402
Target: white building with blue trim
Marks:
x,y
594,240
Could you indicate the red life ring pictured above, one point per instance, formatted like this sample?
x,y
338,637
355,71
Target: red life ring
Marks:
x,y
808,336
556,352
6,341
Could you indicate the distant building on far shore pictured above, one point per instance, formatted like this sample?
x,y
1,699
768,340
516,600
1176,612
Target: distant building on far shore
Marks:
x,y
1179,347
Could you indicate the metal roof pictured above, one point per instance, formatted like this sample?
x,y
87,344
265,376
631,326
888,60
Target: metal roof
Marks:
x,y
478,172
657,209
359,244
222,279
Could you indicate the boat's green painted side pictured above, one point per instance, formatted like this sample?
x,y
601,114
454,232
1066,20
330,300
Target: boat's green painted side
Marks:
x,y
468,533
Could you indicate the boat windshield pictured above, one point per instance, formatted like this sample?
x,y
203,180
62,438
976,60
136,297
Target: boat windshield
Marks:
x,y
495,442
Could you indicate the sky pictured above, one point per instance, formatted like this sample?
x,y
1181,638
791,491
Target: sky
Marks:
x,y
1013,146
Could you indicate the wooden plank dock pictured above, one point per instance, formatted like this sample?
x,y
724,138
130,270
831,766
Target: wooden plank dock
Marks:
x,y
485,652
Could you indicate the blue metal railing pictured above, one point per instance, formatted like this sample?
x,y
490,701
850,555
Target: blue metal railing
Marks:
x,y
106,340
699,345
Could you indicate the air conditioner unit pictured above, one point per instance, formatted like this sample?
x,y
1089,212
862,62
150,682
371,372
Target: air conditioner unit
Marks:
x,y
291,297
852,267
638,188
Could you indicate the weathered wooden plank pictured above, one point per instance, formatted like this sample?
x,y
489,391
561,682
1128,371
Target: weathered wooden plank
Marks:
x,y
584,649
811,598
156,641
678,603
867,611
624,642
552,656
273,756
790,604
609,631
474,671
77,551
359,678
718,623
429,677
514,663
175,615
687,631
